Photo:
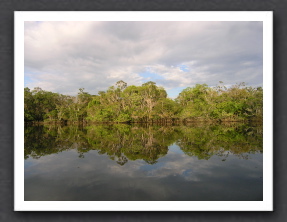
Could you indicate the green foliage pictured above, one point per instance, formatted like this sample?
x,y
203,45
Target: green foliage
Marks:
x,y
237,103
146,103
39,105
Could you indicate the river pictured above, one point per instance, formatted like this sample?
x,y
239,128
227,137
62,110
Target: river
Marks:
x,y
144,162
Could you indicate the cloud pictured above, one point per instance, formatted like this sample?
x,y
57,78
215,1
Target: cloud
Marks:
x,y
65,56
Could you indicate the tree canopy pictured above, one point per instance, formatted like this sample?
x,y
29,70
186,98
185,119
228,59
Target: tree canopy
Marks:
x,y
146,103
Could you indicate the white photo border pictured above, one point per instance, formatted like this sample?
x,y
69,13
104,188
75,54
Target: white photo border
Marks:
x,y
265,16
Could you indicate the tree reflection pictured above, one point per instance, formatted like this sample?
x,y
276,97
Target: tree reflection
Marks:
x,y
206,141
123,142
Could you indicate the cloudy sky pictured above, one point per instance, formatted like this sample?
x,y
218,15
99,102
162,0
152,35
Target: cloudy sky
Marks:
x,y
65,56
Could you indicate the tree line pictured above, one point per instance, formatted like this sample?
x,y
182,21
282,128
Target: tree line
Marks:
x,y
146,103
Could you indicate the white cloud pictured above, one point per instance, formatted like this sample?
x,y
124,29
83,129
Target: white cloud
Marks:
x,y
65,56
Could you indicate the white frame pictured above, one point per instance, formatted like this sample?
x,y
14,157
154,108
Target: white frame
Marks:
x,y
266,205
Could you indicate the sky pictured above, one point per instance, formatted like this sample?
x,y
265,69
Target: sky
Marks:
x,y
65,56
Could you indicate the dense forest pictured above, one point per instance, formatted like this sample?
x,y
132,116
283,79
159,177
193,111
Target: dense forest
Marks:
x,y
146,103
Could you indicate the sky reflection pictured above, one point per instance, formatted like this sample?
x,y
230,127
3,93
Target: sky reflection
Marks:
x,y
176,176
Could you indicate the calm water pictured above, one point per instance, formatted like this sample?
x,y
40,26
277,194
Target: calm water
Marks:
x,y
144,162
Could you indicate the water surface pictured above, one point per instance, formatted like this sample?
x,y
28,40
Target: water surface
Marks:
x,y
144,162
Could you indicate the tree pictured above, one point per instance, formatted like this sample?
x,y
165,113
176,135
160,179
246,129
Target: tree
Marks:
x,y
151,94
28,105
146,103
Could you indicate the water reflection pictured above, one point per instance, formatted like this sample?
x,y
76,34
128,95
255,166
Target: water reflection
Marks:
x,y
123,142
143,162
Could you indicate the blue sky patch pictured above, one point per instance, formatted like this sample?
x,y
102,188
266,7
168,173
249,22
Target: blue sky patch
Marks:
x,y
151,76
27,80
183,68
172,93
